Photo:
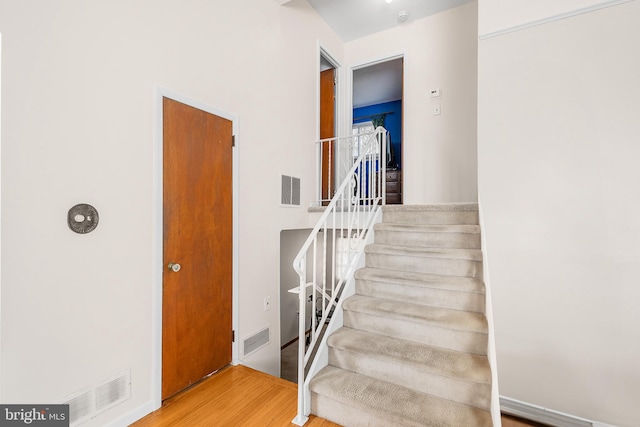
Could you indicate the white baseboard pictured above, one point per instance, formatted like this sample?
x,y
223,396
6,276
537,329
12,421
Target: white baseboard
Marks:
x,y
542,415
133,416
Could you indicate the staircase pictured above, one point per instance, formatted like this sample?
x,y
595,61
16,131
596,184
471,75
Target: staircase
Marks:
x,y
413,348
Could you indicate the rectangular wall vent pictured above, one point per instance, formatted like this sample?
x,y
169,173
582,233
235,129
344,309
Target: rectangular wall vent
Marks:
x,y
290,191
113,391
256,341
81,407
91,402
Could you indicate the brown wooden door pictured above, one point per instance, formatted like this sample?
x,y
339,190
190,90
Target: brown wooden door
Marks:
x,y
327,130
197,299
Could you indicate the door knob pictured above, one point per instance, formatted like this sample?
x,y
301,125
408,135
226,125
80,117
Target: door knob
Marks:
x,y
174,266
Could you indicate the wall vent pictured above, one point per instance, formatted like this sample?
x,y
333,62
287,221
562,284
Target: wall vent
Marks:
x,y
113,391
256,341
91,402
290,191
81,407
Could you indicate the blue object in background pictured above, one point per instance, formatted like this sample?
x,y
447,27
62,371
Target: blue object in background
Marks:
x,y
393,122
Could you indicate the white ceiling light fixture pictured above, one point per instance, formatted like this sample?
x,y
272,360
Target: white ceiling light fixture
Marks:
x,y
388,1
403,15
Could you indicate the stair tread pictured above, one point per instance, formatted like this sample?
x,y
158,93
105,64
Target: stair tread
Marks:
x,y
442,317
417,251
435,207
389,400
428,228
443,362
410,278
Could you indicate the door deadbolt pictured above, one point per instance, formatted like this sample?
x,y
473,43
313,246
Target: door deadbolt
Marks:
x,y
82,218
174,266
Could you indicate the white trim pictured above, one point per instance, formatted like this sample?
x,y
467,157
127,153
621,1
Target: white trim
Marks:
x,y
132,416
558,17
157,263
537,413
404,55
491,345
322,51
377,60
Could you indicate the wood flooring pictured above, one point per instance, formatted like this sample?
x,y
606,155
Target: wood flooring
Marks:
x,y
236,396
241,396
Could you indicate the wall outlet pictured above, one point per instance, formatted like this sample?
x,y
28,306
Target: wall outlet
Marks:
x,y
267,303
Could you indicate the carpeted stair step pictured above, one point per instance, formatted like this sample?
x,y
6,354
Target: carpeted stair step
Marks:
x,y
428,236
445,262
450,213
457,376
440,327
458,293
353,400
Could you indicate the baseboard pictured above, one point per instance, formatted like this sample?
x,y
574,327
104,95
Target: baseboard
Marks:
x,y
542,415
133,416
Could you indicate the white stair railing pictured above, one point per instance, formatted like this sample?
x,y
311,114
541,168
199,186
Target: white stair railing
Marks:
x,y
328,258
335,157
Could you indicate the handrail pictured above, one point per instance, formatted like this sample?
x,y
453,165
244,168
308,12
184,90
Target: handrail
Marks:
x,y
339,151
336,243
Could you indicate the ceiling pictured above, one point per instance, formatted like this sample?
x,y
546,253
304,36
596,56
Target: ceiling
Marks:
x,y
352,19
377,83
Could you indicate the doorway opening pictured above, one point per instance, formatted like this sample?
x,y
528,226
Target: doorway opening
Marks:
x,y
378,101
327,127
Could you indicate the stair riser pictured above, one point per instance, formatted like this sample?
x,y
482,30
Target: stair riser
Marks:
x,y
429,239
411,376
465,341
446,218
419,264
347,415
466,301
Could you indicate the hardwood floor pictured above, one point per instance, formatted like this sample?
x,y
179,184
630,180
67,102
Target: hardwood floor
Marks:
x,y
236,396
241,396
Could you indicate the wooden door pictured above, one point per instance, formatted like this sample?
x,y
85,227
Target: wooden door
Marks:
x,y
197,200
327,130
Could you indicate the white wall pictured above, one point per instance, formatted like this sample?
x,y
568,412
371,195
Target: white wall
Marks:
x,y
558,172
439,163
290,243
78,119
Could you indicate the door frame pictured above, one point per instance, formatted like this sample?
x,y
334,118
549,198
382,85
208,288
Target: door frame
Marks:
x,y
339,121
374,61
157,263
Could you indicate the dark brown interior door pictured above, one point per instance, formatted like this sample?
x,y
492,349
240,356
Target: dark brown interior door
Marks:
x,y
327,130
197,245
